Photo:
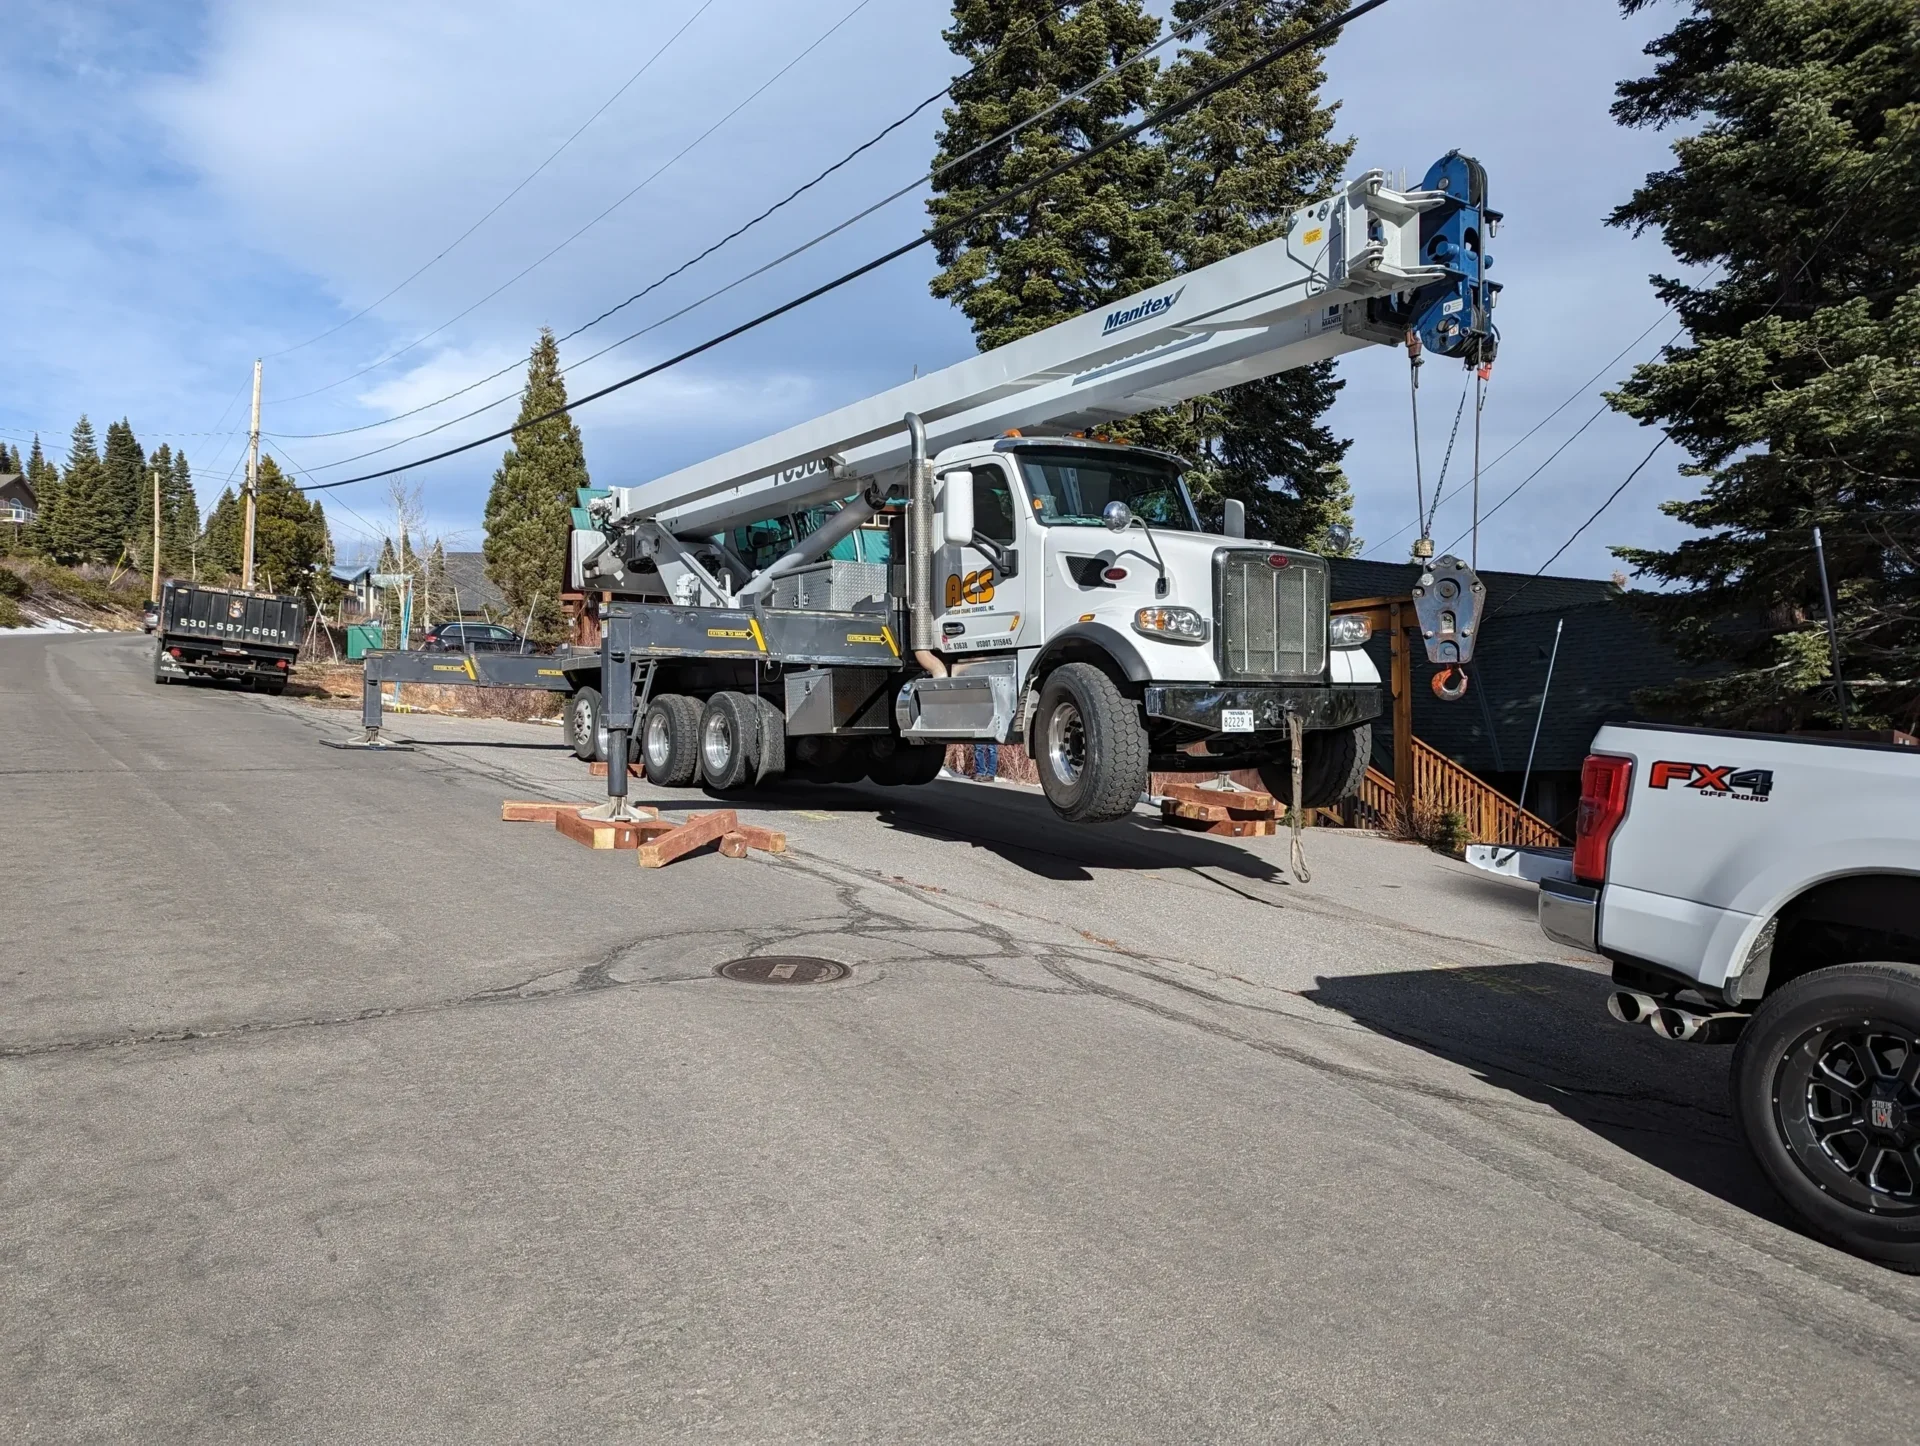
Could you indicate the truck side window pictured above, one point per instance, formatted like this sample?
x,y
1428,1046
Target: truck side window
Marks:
x,y
992,504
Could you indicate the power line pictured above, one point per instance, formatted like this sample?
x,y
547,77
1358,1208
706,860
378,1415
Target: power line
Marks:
x,y
1166,112
556,250
1178,33
1611,496
524,183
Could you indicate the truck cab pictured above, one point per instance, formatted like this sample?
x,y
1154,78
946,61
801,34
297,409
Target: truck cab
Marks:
x,y
1090,552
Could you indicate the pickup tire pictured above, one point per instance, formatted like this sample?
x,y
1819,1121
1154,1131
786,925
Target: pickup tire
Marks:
x,y
729,741
1333,763
1091,747
670,740
1826,1089
586,729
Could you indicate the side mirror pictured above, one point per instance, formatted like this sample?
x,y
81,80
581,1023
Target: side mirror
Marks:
x,y
1117,515
1234,524
956,508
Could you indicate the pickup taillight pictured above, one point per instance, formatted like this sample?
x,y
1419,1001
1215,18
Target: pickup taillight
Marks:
x,y
1604,781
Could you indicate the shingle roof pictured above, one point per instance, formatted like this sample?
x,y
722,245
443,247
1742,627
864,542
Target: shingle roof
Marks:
x,y
467,572
1606,654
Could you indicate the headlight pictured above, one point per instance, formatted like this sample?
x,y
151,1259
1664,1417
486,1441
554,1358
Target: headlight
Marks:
x,y
1171,625
1348,631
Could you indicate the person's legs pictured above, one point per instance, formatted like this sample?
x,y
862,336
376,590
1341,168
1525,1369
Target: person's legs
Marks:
x,y
986,760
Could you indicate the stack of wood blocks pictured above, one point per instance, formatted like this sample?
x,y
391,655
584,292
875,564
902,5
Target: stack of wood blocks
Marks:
x,y
656,841
1230,813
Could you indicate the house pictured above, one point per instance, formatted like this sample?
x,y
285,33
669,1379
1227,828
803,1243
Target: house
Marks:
x,y
1607,653
475,597
18,505
356,600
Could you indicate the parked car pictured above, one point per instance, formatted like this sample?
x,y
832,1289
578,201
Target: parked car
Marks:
x,y
149,617
474,638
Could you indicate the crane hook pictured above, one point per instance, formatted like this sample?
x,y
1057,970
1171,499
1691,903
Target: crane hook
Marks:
x,y
1450,684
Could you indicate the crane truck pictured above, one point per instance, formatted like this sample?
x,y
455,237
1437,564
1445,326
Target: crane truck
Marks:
x,y
968,557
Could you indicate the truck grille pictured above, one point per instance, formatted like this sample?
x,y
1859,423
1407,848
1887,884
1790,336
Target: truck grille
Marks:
x,y
1272,620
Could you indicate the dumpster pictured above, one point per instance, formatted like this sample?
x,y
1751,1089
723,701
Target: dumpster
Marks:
x,y
362,638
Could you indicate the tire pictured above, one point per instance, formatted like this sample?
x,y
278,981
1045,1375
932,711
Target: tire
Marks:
x,y
159,675
909,765
1822,1077
670,740
587,726
1333,763
729,742
1092,746
274,688
772,762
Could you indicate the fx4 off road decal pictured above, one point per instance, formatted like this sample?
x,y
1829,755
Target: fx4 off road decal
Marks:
x,y
1750,785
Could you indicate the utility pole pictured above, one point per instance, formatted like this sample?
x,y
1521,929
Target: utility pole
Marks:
x,y
253,484
155,592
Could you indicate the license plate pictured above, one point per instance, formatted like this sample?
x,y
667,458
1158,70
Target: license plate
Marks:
x,y
1236,720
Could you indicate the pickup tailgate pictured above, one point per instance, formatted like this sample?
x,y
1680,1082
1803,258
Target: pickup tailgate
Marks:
x,y
1723,828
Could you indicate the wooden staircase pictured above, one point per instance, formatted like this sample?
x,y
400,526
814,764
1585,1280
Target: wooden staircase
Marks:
x,y
1440,787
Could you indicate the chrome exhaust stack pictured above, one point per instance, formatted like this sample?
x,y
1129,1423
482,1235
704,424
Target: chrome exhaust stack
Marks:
x,y
1683,1026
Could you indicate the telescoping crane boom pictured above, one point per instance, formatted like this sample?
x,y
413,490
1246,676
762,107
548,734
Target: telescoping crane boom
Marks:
x,y
1083,610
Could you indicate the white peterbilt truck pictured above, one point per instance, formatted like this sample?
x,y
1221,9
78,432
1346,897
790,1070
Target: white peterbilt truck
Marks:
x,y
966,557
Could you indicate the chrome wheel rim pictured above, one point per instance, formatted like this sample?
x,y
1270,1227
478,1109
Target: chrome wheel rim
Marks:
x,y
1066,742
1846,1099
716,743
655,742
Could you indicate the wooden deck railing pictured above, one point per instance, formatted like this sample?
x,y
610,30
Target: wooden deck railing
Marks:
x,y
1441,786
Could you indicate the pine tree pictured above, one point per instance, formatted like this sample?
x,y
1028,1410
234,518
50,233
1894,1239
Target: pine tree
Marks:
x,y
1798,392
220,544
84,526
180,520
1240,163
128,489
527,521
1083,239
45,481
292,550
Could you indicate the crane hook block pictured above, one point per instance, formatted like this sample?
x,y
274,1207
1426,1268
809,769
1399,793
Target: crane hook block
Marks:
x,y
1450,684
1448,600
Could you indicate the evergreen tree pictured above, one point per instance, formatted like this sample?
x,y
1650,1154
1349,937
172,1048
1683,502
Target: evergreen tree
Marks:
x,y
292,550
128,491
42,476
1798,392
220,544
1083,239
180,526
84,526
1240,163
527,519
9,461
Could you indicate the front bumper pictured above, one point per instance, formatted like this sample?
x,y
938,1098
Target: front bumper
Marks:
x,y
1200,705
1570,914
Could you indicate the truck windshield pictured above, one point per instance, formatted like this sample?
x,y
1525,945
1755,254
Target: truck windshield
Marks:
x,y
1070,487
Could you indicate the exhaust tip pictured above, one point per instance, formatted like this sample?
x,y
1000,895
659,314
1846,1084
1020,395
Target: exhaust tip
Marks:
x,y
1629,1006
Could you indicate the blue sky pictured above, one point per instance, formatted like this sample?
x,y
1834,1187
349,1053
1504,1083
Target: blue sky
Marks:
x,y
189,186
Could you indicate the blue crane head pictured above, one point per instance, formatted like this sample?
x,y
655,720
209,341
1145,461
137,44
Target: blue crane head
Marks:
x,y
1454,316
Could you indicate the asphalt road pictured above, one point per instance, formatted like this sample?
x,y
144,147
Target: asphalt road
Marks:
x,y
335,1110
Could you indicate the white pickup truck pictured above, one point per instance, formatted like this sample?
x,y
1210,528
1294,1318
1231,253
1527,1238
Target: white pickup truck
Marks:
x,y
1765,890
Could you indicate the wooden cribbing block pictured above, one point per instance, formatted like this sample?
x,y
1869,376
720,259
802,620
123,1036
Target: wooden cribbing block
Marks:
x,y
1228,828
1221,798
600,833
733,845
635,769
767,840
527,810
699,830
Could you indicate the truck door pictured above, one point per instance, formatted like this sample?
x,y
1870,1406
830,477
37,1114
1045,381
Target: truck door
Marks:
x,y
976,607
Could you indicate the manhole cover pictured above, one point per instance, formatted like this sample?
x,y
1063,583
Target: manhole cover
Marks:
x,y
782,969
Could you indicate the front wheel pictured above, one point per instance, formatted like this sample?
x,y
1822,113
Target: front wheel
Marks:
x,y
1333,763
1092,746
1826,1089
